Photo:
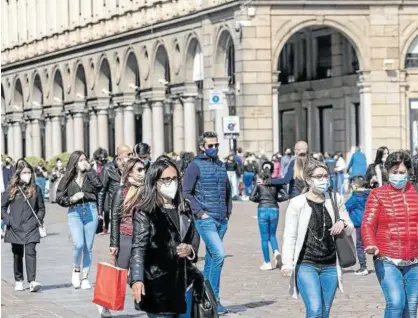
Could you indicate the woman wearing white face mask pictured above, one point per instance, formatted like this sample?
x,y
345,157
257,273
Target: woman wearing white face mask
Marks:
x,y
390,232
22,225
309,252
78,191
164,244
56,176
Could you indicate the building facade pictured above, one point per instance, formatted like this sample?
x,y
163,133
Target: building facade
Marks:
x,y
96,73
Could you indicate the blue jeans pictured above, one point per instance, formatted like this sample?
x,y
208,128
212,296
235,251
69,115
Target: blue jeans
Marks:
x,y
317,285
189,297
248,179
41,182
333,181
212,233
400,288
82,220
340,182
268,218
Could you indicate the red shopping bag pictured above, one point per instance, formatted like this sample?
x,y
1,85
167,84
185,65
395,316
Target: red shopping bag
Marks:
x,y
110,289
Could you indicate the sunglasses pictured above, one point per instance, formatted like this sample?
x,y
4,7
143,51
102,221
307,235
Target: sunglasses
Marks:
x,y
168,180
321,176
140,170
210,146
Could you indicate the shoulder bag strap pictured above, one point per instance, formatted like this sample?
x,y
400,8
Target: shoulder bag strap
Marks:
x,y
27,201
333,197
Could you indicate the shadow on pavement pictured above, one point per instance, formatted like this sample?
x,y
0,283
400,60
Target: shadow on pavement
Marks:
x,y
57,286
202,258
245,307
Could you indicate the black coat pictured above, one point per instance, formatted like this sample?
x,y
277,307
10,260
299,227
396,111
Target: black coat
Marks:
x,y
22,226
110,178
91,187
154,259
115,220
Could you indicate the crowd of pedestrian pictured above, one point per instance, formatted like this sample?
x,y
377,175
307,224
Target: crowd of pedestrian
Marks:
x,y
157,211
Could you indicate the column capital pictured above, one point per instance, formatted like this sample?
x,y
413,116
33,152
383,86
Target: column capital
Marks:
x,y
276,86
154,94
53,111
125,99
98,103
16,116
34,114
220,82
76,107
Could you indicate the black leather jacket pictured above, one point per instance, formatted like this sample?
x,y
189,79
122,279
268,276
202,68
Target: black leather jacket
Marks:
x,y
91,187
110,177
265,196
117,207
415,168
154,259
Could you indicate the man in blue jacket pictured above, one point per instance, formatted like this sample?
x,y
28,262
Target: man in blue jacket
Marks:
x,y
207,188
358,164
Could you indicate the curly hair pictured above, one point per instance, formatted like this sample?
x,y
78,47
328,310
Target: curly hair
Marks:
x,y
398,157
100,154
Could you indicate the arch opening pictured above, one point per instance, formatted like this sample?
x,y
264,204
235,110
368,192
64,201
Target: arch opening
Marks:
x,y
105,78
58,88
318,96
17,103
3,101
161,67
131,76
80,85
225,57
411,59
194,62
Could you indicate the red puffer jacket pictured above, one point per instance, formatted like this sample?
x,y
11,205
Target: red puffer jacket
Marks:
x,y
391,222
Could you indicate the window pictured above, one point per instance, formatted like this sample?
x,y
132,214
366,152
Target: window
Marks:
x,y
287,129
303,76
413,115
326,129
411,60
287,63
231,64
324,57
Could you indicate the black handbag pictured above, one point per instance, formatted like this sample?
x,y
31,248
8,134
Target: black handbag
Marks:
x,y
207,307
282,195
344,243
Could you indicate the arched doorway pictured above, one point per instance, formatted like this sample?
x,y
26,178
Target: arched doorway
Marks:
x,y
58,100
132,85
81,138
318,98
15,139
162,79
411,66
195,73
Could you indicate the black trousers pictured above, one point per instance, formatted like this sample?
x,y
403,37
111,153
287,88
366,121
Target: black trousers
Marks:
x,y
29,251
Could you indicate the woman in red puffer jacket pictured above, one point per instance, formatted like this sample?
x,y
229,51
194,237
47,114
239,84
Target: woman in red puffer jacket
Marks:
x,y
390,232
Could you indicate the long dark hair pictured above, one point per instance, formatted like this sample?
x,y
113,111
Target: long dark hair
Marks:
x,y
133,194
71,171
16,182
150,196
142,150
267,170
379,155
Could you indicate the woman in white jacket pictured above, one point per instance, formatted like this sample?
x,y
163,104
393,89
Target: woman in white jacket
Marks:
x,y
309,252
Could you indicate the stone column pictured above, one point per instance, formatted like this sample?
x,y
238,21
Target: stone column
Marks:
x,y
70,133
275,110
56,136
221,84
129,125
178,126
190,134
48,138
29,139
157,146
78,132
10,141
2,146
17,140
147,125
119,134
103,124
93,132
366,118
36,138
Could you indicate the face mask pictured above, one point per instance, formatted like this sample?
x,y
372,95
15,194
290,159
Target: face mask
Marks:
x,y
26,178
398,181
146,161
59,164
211,152
320,186
170,190
82,166
384,158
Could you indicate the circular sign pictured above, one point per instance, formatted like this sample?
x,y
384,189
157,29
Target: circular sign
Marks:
x,y
215,99
231,126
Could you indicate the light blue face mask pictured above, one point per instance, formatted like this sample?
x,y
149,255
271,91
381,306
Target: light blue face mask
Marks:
x,y
398,181
321,186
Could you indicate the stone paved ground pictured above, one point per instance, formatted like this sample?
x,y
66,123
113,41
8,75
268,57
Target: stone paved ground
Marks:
x,y
245,290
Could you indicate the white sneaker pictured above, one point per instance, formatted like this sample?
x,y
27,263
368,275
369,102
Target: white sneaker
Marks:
x,y
266,267
34,287
277,259
85,284
361,272
104,312
19,286
75,279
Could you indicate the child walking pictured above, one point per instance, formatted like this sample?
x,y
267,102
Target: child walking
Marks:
x,y
268,216
355,207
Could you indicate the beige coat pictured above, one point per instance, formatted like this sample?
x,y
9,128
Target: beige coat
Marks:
x,y
298,215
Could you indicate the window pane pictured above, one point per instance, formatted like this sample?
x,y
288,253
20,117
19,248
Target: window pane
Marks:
x,y
287,129
324,57
326,129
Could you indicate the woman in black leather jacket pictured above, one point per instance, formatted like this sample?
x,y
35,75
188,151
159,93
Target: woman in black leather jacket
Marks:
x,y
268,215
125,199
164,244
78,191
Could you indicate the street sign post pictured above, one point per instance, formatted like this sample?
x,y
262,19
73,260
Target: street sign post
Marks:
x,y
216,100
231,130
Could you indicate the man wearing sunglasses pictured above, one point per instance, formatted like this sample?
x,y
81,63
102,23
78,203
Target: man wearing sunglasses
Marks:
x,y
110,177
207,188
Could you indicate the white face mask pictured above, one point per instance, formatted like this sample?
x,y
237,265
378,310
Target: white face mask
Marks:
x,y
169,190
26,178
320,186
